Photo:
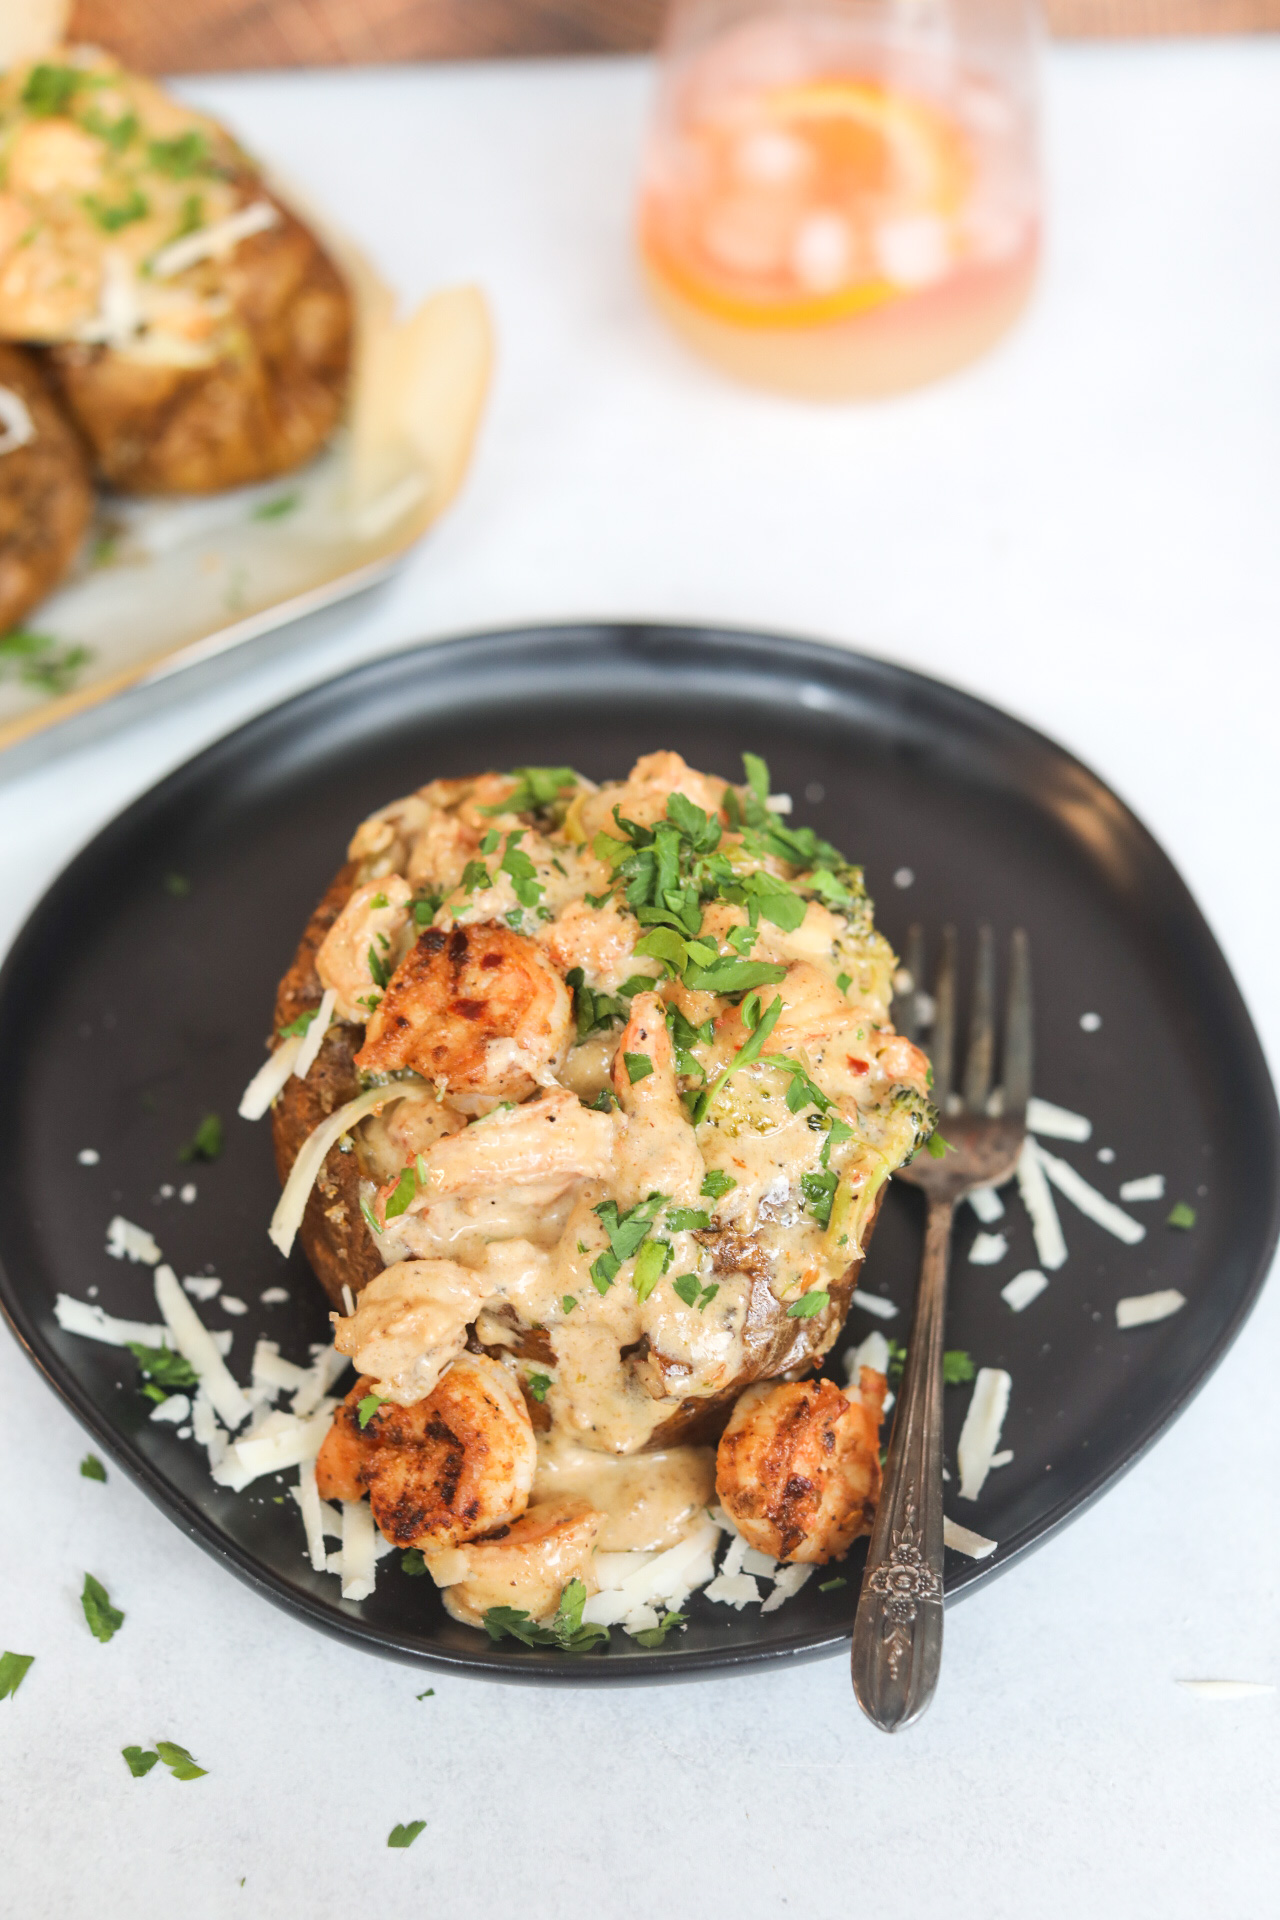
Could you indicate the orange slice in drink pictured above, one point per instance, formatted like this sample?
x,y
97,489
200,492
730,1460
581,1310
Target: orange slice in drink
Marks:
x,y
811,203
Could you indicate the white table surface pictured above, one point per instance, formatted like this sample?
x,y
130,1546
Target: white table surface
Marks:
x,y
1083,528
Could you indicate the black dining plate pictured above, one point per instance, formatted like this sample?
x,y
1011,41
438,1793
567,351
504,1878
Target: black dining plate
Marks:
x,y
137,998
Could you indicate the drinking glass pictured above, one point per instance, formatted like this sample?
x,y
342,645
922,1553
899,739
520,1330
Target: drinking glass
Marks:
x,y
840,198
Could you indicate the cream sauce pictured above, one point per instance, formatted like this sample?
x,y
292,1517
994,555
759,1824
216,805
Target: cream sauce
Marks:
x,y
648,1502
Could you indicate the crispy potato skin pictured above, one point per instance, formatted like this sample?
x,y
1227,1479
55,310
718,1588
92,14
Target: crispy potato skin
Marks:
x,y
268,404
334,1236
46,500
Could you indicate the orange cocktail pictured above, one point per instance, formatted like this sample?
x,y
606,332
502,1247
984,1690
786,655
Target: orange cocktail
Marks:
x,y
831,216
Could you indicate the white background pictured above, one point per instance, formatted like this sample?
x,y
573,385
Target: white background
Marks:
x,y
1085,528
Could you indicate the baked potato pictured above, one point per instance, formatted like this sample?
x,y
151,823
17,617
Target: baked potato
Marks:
x,y
674,1201
197,332
46,500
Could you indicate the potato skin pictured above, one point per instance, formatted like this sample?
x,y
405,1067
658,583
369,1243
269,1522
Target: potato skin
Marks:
x,y
268,403
46,501
333,1233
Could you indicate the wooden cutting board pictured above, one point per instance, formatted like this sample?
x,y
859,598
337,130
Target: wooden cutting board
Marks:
x,y
187,36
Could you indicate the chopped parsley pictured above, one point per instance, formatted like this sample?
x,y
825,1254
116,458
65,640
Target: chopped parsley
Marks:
x,y
817,1300
179,1761
168,1372
91,1468
689,1288
491,842
639,1066
537,789
139,1761
206,1142
368,1406
654,1636
568,1302
430,1694
521,872
377,968
936,1147
832,1586
687,1220
957,1366
370,1217
716,1183
652,1262
412,1562
1181,1216
404,1193
38,661
181,157
565,1632
539,1385
406,1835
296,1028
50,90
425,908
747,1052
111,216
13,1671
819,1191
626,1232
284,502
104,1619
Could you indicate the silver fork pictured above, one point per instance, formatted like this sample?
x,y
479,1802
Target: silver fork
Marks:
x,y
897,1636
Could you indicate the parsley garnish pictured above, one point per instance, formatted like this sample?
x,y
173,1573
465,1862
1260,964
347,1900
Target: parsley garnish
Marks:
x,y
430,1694
689,1288
104,1619
539,1385
139,1762
519,868
568,1301
368,1406
936,1147
206,1142
687,1220
426,908
123,213
844,982
405,1193
13,1671
179,1761
830,1586
817,1300
412,1562
179,158
626,1231
566,1630
747,1052
475,877
491,842
377,968
370,1217
595,1011
1181,1216
38,661
652,1262
91,1468
406,1835
639,1066
170,1371
537,788
654,1636
49,89
957,1366
716,1183
284,502
819,1191
296,1028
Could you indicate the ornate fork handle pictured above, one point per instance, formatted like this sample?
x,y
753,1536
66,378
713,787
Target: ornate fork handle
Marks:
x,y
897,1636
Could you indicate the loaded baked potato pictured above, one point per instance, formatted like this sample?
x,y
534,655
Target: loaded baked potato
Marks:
x,y
605,1104
197,332
45,497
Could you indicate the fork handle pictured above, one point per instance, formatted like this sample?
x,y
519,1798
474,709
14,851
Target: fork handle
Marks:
x,y
897,1636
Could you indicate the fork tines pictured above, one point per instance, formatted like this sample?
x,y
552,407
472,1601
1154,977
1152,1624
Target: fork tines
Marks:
x,y
980,1058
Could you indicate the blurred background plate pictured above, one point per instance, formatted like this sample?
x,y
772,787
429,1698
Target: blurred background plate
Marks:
x,y
137,999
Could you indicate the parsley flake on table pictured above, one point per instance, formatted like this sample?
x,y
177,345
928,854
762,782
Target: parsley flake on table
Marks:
x,y
406,1835
139,1760
177,884
179,1761
654,1636
91,1468
13,1671
1181,1216
104,1619
206,1142
430,1694
831,1586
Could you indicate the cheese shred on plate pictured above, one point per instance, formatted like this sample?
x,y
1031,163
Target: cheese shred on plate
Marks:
x,y
287,1217
980,1435
1094,1205
195,1343
1046,1228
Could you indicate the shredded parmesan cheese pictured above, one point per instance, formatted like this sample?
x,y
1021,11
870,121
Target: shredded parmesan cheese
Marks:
x,y
80,1316
733,1590
1023,1289
308,1500
873,1353
211,242
270,1077
873,1303
358,1557
329,1365
1046,1229
1228,1689
987,1249
963,1540
125,1241
313,1038
175,1409
788,1583
1056,1123
192,1339
987,1204
287,1217
1094,1205
980,1435
1150,1187
1141,1309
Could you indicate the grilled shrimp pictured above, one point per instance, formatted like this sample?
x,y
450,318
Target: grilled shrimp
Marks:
x,y
658,1151
371,923
644,794
798,1466
549,1142
456,1464
528,1565
477,1009
410,1323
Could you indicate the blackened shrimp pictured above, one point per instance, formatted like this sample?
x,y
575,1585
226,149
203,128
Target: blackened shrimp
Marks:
x,y
798,1466
528,1565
